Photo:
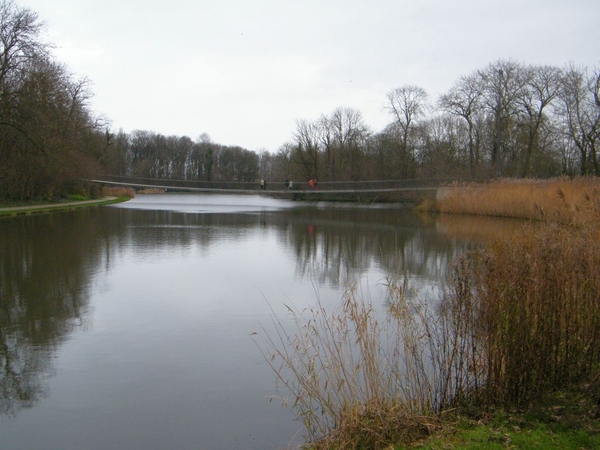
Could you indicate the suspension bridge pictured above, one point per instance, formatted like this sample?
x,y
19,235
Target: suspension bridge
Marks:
x,y
326,189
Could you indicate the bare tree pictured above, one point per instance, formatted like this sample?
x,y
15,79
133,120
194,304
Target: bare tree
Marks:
x,y
502,83
306,151
581,116
20,45
540,88
465,101
19,40
349,135
407,104
282,162
48,137
118,155
443,147
201,161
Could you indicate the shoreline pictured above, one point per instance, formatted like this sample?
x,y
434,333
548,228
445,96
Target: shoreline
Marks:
x,y
63,206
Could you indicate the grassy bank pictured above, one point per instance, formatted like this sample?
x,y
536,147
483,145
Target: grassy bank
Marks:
x,y
510,356
107,197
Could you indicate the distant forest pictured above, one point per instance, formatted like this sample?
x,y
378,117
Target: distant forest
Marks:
x,y
508,119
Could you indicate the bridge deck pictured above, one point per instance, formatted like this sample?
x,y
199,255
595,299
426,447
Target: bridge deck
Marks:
x,y
267,191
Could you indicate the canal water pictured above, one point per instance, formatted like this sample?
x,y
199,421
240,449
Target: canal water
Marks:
x,y
131,326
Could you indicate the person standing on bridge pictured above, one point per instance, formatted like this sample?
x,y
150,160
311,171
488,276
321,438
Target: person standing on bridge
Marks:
x,y
311,184
262,184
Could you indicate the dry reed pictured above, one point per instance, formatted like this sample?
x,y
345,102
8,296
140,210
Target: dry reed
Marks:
x,y
358,380
519,319
536,293
561,200
538,300
152,191
118,192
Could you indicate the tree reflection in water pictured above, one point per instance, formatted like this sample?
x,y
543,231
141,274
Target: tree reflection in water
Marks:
x,y
45,271
48,262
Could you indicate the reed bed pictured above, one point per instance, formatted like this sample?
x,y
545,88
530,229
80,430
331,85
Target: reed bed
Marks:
x,y
152,191
537,297
518,319
118,192
535,293
562,200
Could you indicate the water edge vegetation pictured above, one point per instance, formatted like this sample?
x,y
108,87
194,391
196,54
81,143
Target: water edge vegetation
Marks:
x,y
108,196
510,355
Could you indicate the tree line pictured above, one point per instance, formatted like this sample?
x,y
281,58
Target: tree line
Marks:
x,y
147,154
48,137
508,119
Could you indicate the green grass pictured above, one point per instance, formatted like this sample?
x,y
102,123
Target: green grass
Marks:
x,y
505,436
15,204
39,208
563,420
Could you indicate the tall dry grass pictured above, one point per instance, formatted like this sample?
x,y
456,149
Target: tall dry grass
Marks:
x,y
537,297
118,192
358,378
518,319
562,200
535,293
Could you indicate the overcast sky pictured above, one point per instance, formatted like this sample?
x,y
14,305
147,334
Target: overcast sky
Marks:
x,y
243,71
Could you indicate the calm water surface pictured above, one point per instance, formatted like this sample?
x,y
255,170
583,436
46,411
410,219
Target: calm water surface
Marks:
x,y
129,326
